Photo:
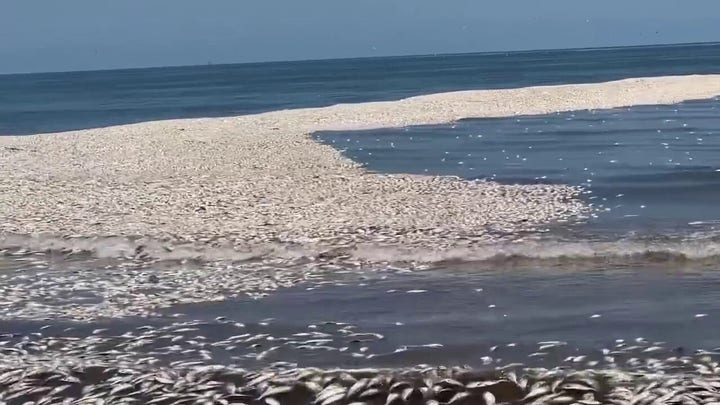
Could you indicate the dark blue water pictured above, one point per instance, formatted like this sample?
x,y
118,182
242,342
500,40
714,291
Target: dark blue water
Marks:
x,y
53,102
653,169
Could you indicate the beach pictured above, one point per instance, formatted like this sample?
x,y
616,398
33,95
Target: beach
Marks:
x,y
249,181
237,259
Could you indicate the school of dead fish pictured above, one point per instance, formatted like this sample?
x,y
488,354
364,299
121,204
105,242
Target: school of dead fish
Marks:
x,y
216,384
177,363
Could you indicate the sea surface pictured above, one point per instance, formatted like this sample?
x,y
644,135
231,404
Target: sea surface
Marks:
x,y
646,169
643,268
52,102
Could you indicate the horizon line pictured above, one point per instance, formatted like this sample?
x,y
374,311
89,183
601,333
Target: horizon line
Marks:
x,y
598,48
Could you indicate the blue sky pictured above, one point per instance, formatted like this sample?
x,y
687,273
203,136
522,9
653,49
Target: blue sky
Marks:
x,y
59,35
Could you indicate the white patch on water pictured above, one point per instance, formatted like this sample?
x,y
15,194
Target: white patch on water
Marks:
x,y
693,249
697,247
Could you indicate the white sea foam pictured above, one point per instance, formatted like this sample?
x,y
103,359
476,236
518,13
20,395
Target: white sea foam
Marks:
x,y
548,251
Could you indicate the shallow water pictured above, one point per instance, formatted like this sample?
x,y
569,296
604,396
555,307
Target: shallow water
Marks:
x,y
452,317
644,266
528,308
647,169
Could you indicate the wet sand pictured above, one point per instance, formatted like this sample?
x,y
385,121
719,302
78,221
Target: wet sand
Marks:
x,y
252,180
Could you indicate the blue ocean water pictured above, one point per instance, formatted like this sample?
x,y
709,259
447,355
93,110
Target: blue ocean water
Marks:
x,y
51,102
649,169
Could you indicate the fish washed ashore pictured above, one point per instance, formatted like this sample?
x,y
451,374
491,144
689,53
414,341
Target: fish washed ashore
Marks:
x,y
142,197
254,180
421,386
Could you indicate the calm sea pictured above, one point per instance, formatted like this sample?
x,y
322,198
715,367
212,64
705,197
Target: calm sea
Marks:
x,y
645,265
52,102
648,169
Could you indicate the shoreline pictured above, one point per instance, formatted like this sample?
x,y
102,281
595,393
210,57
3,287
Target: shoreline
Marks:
x,y
253,179
262,179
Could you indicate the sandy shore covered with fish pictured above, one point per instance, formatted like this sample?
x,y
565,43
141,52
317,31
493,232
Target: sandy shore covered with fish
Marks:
x,y
256,179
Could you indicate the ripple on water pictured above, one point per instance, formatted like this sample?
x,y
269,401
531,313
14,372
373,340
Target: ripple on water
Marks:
x,y
644,167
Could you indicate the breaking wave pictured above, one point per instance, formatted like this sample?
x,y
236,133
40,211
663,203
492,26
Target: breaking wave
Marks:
x,y
546,251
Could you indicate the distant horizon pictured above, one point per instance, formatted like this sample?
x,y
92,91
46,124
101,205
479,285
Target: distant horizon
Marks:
x,y
44,36
210,63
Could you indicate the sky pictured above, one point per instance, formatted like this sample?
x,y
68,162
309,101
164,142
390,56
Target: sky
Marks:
x,y
66,35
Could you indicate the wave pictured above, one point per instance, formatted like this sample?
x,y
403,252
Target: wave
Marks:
x,y
143,248
559,253
545,251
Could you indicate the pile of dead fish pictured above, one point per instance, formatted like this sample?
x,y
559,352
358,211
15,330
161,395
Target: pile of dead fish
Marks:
x,y
81,384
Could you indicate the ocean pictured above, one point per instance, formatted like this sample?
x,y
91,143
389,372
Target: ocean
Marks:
x,y
52,102
643,268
